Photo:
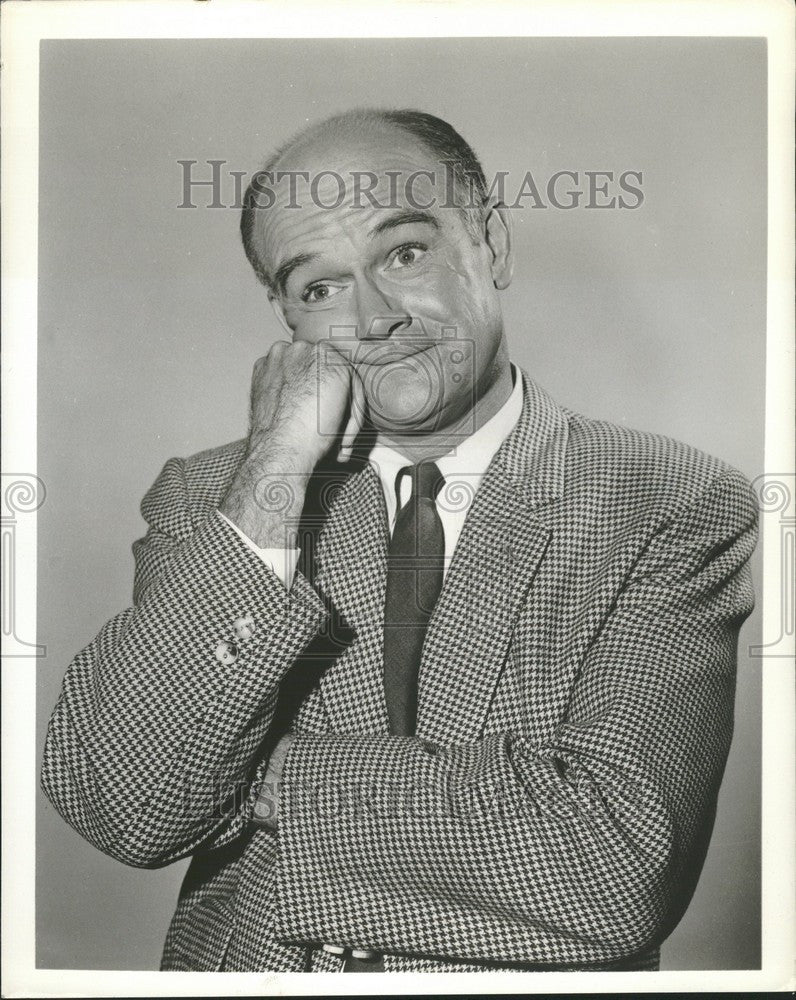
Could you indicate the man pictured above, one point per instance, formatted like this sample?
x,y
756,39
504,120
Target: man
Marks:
x,y
428,673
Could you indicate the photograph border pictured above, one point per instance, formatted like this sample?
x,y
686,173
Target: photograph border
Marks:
x,y
25,25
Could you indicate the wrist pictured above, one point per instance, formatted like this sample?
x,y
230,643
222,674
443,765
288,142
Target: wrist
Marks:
x,y
273,454
266,504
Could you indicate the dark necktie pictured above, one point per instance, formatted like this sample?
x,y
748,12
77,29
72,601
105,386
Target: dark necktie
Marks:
x,y
415,562
414,581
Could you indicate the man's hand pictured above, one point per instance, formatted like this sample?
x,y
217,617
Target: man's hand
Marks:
x,y
299,399
302,396
266,809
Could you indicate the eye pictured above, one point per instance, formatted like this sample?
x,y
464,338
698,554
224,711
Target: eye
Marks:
x,y
319,292
406,255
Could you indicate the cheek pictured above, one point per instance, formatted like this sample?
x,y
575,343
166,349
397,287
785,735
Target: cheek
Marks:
x,y
451,291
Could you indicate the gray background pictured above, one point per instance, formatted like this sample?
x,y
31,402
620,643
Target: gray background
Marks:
x,y
150,320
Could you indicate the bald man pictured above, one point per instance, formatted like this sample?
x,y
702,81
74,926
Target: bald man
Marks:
x,y
427,673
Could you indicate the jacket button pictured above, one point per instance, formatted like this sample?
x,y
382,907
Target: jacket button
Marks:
x,y
334,949
226,652
244,628
429,747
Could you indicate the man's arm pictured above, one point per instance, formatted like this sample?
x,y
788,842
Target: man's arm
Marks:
x,y
163,718
585,849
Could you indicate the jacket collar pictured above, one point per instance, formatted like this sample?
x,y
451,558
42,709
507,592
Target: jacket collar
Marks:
x,y
532,457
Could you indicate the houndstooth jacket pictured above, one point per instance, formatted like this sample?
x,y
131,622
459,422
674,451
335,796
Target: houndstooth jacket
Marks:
x,y
575,713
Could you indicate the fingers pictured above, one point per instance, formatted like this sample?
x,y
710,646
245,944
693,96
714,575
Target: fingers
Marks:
x,y
356,418
306,393
337,362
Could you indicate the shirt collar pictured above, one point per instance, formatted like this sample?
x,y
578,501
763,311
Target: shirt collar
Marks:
x,y
471,456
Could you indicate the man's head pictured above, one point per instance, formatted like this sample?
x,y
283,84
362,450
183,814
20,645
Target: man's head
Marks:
x,y
373,229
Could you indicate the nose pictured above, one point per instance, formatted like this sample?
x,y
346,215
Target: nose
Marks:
x,y
379,316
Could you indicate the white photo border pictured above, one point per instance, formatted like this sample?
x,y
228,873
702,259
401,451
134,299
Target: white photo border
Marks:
x,y
25,25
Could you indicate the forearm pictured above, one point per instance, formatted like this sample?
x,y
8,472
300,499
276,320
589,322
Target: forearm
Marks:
x,y
481,852
152,729
266,497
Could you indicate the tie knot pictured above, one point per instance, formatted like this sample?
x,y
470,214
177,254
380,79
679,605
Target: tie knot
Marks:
x,y
426,478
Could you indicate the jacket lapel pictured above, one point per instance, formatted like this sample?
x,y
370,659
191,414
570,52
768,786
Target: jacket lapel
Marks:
x,y
352,556
503,541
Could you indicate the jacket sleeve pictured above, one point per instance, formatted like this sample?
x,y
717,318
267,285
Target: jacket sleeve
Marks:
x,y
583,850
153,736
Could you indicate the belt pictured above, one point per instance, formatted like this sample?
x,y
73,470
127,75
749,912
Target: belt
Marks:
x,y
357,959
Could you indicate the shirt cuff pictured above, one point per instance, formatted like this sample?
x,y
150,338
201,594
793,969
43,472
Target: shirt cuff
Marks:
x,y
282,561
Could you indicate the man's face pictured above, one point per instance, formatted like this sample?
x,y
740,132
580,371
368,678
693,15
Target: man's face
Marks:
x,y
405,291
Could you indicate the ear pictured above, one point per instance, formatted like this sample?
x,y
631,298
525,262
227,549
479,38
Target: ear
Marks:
x,y
498,234
279,312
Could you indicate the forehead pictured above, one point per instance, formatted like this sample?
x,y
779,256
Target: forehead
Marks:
x,y
335,186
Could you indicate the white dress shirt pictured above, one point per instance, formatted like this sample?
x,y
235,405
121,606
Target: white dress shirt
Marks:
x,y
463,468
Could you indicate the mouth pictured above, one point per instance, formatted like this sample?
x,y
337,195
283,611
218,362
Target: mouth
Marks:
x,y
377,355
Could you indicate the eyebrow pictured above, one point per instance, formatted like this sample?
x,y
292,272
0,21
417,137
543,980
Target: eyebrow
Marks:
x,y
404,218
284,270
